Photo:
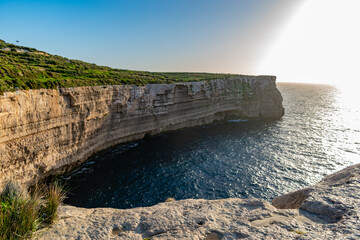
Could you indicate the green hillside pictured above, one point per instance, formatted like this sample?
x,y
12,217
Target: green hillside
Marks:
x,y
28,68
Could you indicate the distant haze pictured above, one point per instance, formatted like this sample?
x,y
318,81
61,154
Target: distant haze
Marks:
x,y
293,39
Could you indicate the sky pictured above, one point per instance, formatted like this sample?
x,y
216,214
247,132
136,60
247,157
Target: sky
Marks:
x,y
319,43
296,40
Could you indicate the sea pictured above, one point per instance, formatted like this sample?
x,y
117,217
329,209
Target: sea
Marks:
x,y
318,135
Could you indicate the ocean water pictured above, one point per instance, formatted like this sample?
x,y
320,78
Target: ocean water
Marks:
x,y
319,134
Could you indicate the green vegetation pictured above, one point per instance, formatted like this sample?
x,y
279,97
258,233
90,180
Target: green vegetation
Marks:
x,y
298,231
170,199
244,88
28,68
54,196
23,212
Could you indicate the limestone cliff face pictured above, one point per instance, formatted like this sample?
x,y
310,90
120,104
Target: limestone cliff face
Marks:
x,y
45,131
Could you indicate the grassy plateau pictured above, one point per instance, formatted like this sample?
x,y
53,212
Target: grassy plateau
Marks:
x,y
28,68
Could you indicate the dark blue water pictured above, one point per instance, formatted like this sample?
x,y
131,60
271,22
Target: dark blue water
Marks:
x,y
319,134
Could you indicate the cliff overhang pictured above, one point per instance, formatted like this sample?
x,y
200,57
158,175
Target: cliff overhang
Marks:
x,y
48,131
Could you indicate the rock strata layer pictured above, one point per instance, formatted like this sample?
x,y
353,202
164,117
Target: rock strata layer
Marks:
x,y
328,210
43,132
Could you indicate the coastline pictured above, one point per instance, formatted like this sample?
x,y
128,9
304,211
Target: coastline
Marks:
x,y
47,132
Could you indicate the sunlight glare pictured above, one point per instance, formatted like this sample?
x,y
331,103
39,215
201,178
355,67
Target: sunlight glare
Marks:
x,y
320,44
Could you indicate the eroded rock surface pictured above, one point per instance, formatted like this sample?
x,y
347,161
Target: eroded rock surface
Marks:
x,y
43,132
330,210
335,198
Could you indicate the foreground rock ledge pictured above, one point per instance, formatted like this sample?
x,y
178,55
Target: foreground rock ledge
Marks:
x,y
327,210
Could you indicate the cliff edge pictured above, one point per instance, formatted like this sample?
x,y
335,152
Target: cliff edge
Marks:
x,y
43,132
328,210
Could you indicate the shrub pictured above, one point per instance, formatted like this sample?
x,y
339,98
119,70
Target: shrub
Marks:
x,y
54,196
18,212
170,199
22,213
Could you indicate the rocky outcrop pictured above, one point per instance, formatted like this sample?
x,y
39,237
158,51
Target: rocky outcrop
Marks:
x,y
335,197
328,210
46,131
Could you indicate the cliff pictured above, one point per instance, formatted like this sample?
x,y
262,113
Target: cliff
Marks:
x,y
328,210
43,132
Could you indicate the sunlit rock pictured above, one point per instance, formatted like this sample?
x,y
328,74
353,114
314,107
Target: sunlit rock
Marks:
x,y
43,132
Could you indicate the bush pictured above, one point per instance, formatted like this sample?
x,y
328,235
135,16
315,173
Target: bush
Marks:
x,y
54,196
170,199
2,44
22,213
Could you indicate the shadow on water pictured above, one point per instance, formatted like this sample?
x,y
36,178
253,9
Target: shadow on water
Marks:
x,y
175,164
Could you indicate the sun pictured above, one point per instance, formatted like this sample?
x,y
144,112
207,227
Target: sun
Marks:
x,y
320,44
